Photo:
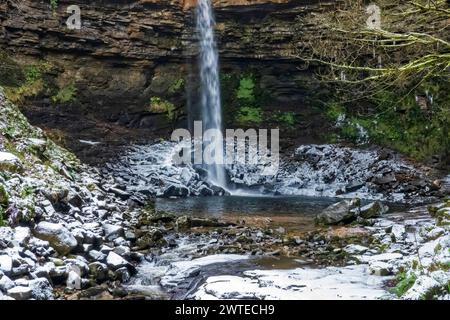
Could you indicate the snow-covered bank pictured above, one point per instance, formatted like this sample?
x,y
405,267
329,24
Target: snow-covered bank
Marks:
x,y
348,283
62,225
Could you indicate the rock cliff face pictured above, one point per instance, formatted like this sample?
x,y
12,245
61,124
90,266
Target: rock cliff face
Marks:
x,y
130,51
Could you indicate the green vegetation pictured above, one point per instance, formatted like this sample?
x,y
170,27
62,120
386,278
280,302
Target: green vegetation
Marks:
x,y
334,110
65,94
393,81
11,73
32,73
286,119
2,221
4,198
158,105
22,81
4,201
442,215
404,283
249,115
246,89
54,5
397,120
239,99
177,86
247,104
27,191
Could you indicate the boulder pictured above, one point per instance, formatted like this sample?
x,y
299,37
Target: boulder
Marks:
x,y
385,179
98,271
21,235
342,212
41,289
6,284
355,249
186,175
353,186
57,235
423,288
149,239
205,191
122,250
9,162
183,223
114,261
373,209
96,255
122,274
380,268
37,145
6,264
120,193
398,232
20,293
73,280
113,232
207,222
176,190
80,265
219,191
58,274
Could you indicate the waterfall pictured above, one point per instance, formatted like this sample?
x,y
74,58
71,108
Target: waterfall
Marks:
x,y
210,85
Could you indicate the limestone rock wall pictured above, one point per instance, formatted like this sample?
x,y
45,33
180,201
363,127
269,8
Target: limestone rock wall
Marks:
x,y
128,51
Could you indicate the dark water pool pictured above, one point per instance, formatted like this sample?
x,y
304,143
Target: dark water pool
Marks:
x,y
244,205
293,213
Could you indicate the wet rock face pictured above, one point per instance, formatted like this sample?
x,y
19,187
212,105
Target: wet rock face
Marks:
x,y
122,50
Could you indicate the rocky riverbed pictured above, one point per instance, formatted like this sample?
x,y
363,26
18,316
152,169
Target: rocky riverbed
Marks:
x,y
408,258
69,231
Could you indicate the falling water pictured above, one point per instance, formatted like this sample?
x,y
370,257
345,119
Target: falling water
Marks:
x,y
210,85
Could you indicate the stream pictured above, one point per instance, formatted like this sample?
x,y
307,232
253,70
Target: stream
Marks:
x,y
191,269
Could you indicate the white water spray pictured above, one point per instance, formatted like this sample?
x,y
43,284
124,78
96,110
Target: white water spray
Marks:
x,y
210,86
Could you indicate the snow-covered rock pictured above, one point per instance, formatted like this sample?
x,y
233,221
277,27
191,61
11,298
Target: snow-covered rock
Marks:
x,y
57,235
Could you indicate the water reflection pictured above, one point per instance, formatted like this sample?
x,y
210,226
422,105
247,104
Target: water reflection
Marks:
x,y
248,205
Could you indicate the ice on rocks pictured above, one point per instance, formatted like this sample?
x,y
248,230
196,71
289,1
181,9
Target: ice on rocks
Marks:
x,y
355,249
41,289
181,270
422,288
331,283
398,232
380,257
